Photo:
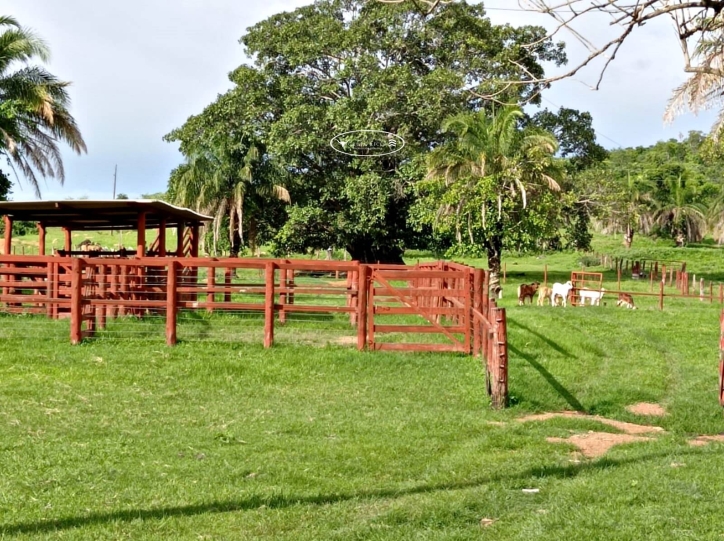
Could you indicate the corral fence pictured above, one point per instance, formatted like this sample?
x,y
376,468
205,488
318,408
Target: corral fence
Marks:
x,y
440,306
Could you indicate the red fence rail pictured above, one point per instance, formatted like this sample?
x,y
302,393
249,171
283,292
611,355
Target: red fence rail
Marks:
x,y
437,306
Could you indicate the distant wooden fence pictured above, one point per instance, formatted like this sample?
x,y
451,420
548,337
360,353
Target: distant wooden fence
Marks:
x,y
392,306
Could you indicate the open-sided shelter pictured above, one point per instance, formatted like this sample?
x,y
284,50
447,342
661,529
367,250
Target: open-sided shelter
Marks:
x,y
84,215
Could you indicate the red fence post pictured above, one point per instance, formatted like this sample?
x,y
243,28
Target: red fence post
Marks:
x,y
269,304
227,284
76,300
171,302
362,300
211,285
500,385
661,294
100,309
282,295
467,317
478,277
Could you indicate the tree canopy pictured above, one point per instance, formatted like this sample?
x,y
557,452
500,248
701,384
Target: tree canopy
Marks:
x,y
343,65
34,115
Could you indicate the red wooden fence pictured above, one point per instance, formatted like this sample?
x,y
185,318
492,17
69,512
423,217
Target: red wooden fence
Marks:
x,y
437,306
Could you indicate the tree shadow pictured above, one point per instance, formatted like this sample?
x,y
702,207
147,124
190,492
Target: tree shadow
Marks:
x,y
550,378
253,502
542,337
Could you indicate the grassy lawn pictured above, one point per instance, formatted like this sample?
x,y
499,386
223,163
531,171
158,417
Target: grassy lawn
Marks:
x,y
124,438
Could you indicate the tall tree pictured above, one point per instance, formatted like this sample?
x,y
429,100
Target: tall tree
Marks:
x,y
34,115
343,65
479,181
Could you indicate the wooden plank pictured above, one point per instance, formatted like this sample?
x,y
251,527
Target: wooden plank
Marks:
x,y
417,292
424,329
411,310
453,348
412,274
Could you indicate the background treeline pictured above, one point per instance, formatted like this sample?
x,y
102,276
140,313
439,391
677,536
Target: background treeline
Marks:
x,y
476,176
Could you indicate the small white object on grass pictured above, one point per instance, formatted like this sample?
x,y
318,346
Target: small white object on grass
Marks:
x,y
531,490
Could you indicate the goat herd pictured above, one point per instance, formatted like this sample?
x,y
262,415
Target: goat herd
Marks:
x,y
559,295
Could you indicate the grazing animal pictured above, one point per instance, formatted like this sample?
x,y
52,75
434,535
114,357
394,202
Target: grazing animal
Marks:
x,y
543,294
593,295
527,291
625,300
562,291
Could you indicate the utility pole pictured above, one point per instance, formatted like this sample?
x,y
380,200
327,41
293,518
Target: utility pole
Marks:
x,y
115,174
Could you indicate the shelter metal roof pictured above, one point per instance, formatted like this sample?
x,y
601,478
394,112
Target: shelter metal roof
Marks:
x,y
86,215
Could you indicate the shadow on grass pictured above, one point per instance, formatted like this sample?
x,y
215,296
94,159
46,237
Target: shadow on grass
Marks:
x,y
544,338
550,378
281,502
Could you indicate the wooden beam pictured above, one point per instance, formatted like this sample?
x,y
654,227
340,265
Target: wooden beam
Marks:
x,y
8,246
195,240
180,240
141,235
162,238
41,238
67,245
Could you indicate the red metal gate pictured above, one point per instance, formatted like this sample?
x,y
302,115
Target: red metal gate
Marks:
x,y
435,303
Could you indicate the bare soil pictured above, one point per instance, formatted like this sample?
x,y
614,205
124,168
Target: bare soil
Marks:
x,y
647,408
596,444
705,440
628,428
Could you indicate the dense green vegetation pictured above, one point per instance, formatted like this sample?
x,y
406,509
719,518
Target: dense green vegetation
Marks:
x,y
126,438
34,115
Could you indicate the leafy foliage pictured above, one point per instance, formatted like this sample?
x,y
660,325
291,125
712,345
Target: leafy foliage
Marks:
x,y
34,113
342,65
479,184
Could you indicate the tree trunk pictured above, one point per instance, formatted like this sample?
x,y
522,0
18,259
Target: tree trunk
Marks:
x,y
628,237
364,252
494,247
235,244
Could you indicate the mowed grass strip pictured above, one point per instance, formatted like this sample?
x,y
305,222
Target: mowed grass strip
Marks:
x,y
125,438
131,439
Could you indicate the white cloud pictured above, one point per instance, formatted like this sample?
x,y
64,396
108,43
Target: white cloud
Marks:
x,y
140,68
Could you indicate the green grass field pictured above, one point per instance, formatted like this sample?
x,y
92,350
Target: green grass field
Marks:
x,y
125,438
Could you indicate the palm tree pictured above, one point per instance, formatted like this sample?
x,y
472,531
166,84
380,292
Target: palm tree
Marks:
x,y
627,206
34,115
679,214
216,186
489,167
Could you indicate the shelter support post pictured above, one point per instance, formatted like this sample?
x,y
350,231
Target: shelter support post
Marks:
x,y
67,242
141,235
41,238
180,240
162,238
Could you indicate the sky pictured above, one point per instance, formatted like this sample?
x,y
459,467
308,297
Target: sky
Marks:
x,y
140,68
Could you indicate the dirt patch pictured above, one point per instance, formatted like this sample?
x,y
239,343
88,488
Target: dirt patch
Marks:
x,y
346,341
337,282
647,408
704,440
596,444
628,428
